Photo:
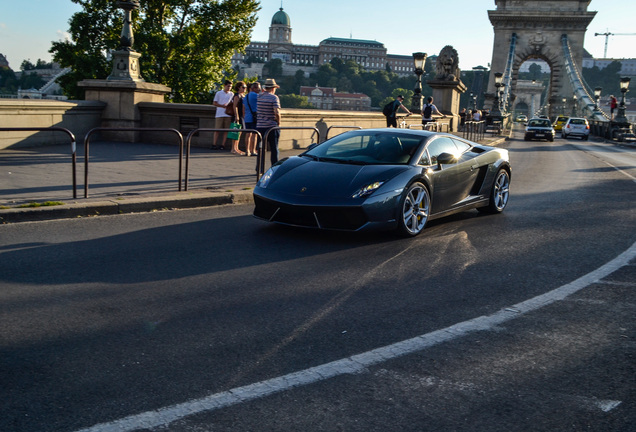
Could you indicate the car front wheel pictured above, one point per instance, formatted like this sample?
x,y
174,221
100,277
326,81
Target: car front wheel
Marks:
x,y
414,210
499,193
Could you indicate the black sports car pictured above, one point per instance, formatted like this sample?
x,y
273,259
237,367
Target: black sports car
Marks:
x,y
383,178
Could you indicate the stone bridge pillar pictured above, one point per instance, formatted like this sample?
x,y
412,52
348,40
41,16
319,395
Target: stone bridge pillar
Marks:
x,y
538,26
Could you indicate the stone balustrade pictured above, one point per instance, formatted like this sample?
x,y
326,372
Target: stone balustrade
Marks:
x,y
81,116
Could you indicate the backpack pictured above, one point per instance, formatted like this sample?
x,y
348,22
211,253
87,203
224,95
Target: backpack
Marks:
x,y
428,111
388,109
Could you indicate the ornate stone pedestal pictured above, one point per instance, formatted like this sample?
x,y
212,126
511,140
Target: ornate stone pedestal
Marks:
x,y
446,95
121,98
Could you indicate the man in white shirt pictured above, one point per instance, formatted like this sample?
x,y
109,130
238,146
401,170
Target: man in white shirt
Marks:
x,y
222,121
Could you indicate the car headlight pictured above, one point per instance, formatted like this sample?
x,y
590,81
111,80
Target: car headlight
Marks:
x,y
267,177
367,190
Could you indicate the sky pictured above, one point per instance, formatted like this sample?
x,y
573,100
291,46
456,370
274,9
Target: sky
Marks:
x,y
27,27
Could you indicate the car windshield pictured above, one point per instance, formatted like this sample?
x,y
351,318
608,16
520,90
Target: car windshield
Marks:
x,y
368,147
540,123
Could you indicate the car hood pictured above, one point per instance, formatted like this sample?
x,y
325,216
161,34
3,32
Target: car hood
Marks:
x,y
301,176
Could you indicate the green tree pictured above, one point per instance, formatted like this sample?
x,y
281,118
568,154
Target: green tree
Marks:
x,y
185,44
295,101
273,68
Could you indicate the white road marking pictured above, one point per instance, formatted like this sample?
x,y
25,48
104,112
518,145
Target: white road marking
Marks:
x,y
618,154
359,362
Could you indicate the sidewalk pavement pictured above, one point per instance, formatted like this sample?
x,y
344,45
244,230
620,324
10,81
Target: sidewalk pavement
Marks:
x,y
123,178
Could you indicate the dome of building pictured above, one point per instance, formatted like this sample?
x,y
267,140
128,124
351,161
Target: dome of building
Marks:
x,y
281,17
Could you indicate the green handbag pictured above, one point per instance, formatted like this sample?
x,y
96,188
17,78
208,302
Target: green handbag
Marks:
x,y
234,135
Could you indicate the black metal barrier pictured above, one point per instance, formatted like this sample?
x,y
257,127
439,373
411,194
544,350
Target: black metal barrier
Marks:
x,y
55,129
474,130
194,131
116,129
260,164
339,127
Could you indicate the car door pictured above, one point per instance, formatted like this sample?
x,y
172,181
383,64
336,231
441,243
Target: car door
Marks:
x,y
451,182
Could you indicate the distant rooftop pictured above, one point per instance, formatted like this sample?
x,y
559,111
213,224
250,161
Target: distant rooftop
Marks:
x,y
350,41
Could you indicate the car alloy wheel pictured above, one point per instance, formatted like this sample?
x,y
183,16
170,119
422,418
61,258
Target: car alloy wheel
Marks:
x,y
415,206
499,193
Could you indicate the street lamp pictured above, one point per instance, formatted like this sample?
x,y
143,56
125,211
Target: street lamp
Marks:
x,y
564,100
126,39
574,98
419,59
620,117
496,112
597,96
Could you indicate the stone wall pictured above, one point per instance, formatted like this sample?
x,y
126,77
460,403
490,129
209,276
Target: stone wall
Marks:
x,y
81,116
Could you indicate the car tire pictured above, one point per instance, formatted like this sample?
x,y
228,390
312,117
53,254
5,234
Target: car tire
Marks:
x,y
564,136
526,138
585,137
499,193
551,139
414,209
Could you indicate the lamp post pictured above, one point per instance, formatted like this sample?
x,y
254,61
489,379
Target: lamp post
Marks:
x,y
126,39
419,59
502,101
125,58
620,117
574,98
496,112
597,96
564,100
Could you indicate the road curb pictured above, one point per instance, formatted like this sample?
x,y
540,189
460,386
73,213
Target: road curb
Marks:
x,y
121,205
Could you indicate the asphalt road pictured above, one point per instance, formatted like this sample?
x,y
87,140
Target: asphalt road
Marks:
x,y
103,319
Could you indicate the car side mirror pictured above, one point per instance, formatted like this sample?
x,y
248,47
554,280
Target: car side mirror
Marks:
x,y
445,159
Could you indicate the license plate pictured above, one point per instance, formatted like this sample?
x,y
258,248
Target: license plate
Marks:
x,y
539,135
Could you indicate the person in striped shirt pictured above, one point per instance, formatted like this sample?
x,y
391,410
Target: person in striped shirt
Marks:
x,y
268,117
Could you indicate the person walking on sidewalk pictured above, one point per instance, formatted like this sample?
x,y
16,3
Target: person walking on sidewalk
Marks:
x,y
268,117
250,103
222,121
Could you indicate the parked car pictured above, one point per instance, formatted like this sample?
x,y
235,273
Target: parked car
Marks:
x,y
576,127
383,179
539,128
559,122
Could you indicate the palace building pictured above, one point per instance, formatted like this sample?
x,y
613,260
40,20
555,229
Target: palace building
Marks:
x,y
371,55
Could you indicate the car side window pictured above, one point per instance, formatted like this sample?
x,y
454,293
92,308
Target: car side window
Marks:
x,y
438,146
462,147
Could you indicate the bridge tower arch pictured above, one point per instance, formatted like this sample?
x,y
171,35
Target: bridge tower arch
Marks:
x,y
533,29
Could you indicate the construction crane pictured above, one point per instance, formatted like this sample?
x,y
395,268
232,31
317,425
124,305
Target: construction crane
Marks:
x,y
608,34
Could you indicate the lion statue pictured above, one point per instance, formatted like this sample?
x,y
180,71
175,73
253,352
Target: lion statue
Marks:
x,y
447,66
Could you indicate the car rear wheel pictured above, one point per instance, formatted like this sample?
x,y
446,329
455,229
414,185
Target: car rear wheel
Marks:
x,y
414,210
499,193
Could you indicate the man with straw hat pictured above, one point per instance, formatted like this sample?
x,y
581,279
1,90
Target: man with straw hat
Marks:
x,y
268,117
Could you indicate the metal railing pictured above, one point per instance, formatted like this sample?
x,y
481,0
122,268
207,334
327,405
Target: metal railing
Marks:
x,y
339,127
194,131
260,164
474,130
123,129
73,147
